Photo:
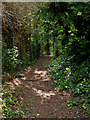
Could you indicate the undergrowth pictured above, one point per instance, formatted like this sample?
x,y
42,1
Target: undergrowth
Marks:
x,y
76,78
11,106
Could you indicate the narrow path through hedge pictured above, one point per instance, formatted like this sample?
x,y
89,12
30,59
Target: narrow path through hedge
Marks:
x,y
39,97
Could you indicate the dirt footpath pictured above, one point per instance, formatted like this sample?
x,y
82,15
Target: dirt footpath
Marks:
x,y
39,97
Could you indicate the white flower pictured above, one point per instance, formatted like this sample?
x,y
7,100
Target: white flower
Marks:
x,y
66,68
72,34
69,31
79,13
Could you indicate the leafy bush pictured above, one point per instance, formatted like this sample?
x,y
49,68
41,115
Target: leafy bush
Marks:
x,y
11,106
10,60
72,77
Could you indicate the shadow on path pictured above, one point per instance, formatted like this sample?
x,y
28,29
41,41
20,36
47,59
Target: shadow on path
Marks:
x,y
39,96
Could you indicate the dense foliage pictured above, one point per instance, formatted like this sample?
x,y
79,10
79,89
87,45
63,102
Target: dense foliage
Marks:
x,y
66,27
17,33
61,29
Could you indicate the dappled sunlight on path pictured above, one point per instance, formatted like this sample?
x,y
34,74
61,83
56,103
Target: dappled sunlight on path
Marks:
x,y
39,96
43,94
40,75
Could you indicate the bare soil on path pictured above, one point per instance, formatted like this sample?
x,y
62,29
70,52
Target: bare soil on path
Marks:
x,y
39,96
